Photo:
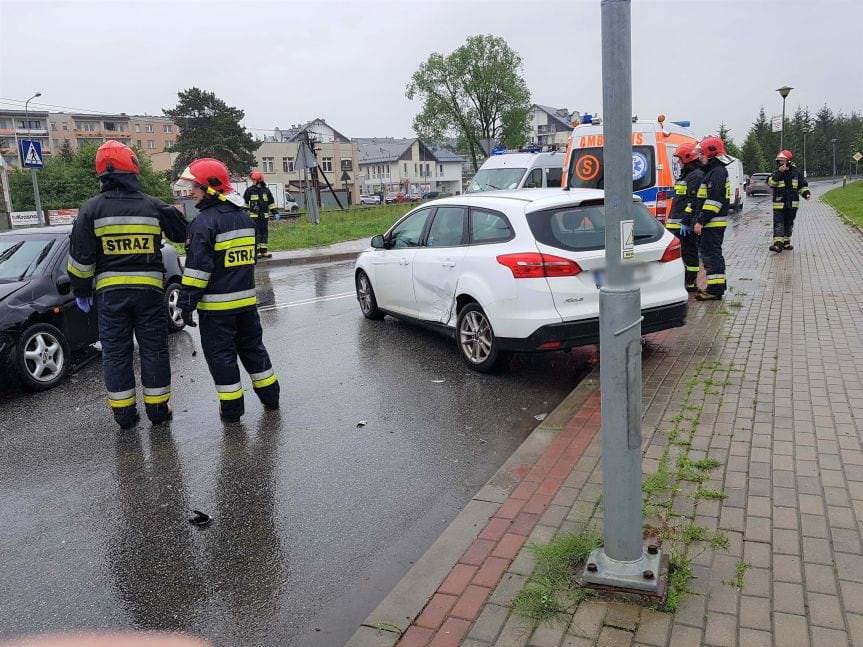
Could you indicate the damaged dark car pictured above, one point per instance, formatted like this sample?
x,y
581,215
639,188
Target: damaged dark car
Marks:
x,y
42,332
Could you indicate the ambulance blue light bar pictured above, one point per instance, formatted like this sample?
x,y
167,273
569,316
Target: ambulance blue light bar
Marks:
x,y
682,124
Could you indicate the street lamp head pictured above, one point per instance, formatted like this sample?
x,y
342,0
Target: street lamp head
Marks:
x,y
834,140
38,94
784,91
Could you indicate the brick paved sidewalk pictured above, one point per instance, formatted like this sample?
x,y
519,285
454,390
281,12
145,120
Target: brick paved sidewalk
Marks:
x,y
768,384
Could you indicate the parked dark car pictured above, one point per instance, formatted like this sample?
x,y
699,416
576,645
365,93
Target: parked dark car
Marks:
x,y
41,328
758,184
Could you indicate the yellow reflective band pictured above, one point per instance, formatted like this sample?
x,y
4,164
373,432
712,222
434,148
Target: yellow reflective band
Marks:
x,y
795,204
715,281
688,209
779,185
127,229
692,268
119,404
260,384
231,395
129,280
672,225
680,189
227,305
195,283
79,273
794,184
702,191
710,207
157,399
778,206
717,223
243,241
254,197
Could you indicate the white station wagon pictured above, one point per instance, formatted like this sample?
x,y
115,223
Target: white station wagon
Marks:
x,y
514,271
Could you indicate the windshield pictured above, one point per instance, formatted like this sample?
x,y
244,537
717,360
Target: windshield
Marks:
x,y
492,179
580,229
23,257
586,168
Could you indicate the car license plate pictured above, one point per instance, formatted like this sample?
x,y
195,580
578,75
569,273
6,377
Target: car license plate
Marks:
x,y
641,275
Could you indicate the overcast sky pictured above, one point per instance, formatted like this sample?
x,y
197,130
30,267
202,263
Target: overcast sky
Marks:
x,y
348,62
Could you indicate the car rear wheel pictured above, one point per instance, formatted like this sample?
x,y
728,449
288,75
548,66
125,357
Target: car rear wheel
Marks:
x,y
366,297
476,341
172,305
42,357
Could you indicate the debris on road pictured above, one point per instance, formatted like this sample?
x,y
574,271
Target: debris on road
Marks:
x,y
438,381
540,416
362,423
200,519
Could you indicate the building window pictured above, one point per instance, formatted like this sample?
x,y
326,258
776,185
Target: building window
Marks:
x,y
5,123
65,126
440,169
168,129
151,145
267,163
138,143
168,144
148,128
347,164
137,128
53,125
288,164
86,126
32,124
115,126
327,164
416,172
388,170
55,143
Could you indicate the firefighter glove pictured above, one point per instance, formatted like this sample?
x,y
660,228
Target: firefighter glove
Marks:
x,y
84,303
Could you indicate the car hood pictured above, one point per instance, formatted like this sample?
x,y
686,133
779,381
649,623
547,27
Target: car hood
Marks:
x,y
7,289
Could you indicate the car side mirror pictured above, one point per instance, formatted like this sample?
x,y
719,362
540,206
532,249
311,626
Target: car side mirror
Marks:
x,y
378,242
64,284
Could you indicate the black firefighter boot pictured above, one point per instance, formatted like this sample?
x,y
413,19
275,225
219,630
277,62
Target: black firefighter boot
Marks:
x,y
126,417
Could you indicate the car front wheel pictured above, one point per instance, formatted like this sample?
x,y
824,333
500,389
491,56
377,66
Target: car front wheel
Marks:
x,y
366,297
42,357
476,341
172,305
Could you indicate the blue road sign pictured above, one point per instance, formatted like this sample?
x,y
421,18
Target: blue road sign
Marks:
x,y
31,153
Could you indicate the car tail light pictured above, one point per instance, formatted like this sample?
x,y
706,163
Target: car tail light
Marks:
x,y
550,345
672,252
532,265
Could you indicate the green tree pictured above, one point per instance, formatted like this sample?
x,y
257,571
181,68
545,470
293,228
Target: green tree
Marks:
x,y
752,155
67,182
730,147
475,93
211,128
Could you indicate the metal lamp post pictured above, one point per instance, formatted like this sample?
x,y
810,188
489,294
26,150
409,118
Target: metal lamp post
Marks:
x,y
833,141
784,91
622,562
39,214
808,127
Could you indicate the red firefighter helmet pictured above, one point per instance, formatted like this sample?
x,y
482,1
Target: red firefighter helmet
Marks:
x,y
712,147
256,176
114,157
686,153
784,155
208,172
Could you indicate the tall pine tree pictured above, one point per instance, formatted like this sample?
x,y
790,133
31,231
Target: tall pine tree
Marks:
x,y
211,128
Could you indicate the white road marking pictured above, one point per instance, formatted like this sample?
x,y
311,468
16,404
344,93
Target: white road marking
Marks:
x,y
310,301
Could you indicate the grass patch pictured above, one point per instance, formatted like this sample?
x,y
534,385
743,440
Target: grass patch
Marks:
x,y
679,576
740,573
335,227
711,495
551,591
847,201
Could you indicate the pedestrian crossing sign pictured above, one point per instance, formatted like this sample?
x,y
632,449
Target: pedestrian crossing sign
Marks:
x,y
31,152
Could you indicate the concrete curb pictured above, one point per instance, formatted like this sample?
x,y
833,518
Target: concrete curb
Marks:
x,y
307,260
410,595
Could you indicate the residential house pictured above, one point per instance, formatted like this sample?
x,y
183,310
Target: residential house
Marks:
x,y
550,126
410,165
337,157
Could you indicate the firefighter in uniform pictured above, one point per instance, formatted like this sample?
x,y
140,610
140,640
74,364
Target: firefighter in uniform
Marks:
x,y
219,280
788,185
259,201
115,249
683,208
711,215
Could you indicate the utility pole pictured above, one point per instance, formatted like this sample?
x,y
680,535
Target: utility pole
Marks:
x,y
833,141
622,562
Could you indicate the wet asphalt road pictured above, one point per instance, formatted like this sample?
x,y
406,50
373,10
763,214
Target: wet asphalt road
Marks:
x,y
314,519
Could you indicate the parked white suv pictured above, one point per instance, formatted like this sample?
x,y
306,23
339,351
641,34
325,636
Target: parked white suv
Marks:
x,y
514,271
